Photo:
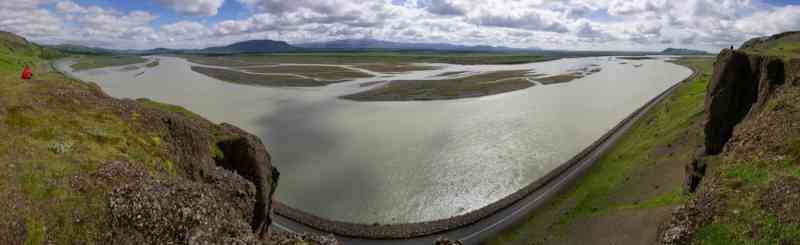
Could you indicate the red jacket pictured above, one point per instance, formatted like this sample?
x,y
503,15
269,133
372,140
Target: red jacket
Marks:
x,y
27,73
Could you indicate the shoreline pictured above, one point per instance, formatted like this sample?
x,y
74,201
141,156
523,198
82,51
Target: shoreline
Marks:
x,y
420,229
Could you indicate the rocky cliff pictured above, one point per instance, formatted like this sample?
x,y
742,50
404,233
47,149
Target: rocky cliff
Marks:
x,y
749,128
219,190
80,167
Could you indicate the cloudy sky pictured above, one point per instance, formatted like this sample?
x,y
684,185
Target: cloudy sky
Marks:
x,y
551,24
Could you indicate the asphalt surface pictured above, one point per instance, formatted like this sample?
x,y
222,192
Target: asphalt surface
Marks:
x,y
480,231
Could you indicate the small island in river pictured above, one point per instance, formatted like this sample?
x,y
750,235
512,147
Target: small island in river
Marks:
x,y
466,87
283,75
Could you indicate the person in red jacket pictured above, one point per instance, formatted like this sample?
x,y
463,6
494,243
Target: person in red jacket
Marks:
x,y
27,74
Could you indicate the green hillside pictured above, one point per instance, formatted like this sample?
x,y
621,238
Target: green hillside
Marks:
x,y
783,45
16,52
80,167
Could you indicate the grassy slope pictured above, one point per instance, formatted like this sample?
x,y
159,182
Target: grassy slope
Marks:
x,y
787,47
50,148
16,52
605,191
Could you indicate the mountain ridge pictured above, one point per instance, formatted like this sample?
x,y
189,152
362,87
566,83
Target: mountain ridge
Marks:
x,y
274,46
367,43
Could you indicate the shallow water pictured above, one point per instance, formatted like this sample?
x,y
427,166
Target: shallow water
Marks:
x,y
394,162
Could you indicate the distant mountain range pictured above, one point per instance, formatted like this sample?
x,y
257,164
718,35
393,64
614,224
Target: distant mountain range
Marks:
x,y
680,51
79,49
271,46
251,46
357,44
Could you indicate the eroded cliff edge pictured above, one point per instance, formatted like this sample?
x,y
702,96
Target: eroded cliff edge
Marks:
x,y
749,149
80,167
217,190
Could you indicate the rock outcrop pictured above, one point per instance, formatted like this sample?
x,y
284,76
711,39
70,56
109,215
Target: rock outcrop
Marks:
x,y
210,198
741,83
247,156
740,86
739,91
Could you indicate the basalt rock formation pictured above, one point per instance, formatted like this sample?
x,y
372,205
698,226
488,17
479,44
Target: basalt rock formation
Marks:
x,y
221,196
742,86
247,156
741,82
216,198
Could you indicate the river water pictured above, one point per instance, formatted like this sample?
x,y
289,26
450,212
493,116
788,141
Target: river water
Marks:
x,y
397,162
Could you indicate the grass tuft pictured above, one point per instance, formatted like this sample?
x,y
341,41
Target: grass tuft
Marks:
x,y
747,174
716,234
59,147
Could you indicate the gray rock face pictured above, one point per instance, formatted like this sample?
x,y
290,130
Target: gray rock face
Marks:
x,y
212,200
739,89
741,84
247,156
731,92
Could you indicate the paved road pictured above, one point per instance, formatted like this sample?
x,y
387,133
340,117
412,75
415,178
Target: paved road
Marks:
x,y
490,226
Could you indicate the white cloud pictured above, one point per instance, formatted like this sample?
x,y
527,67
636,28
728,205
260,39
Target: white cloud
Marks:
x,y
70,7
184,28
193,7
21,4
632,7
771,21
23,17
579,24
529,19
447,7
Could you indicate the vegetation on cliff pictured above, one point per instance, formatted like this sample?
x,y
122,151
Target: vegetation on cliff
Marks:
x,y
80,167
746,176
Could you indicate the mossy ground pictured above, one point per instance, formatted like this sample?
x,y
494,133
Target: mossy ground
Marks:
x,y
53,145
637,179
